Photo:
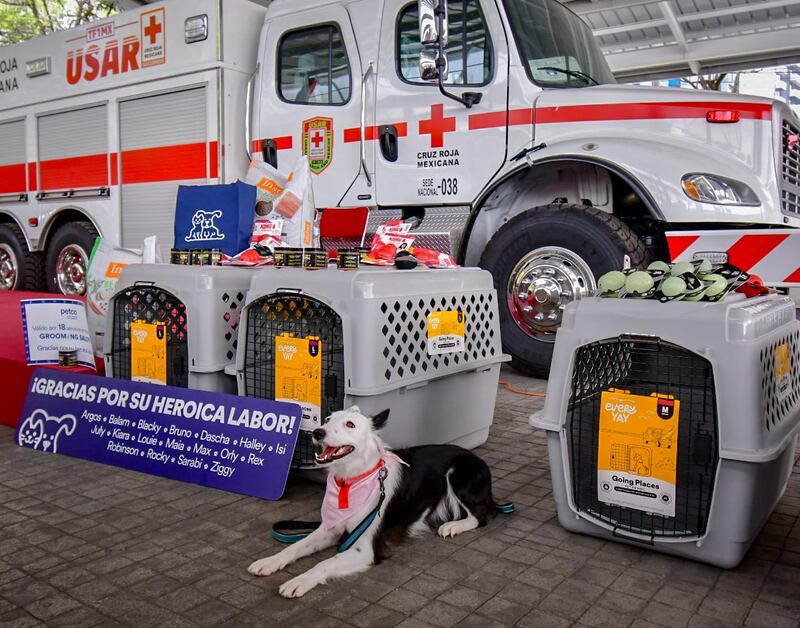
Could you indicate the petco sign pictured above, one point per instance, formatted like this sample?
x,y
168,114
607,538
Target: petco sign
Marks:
x,y
227,442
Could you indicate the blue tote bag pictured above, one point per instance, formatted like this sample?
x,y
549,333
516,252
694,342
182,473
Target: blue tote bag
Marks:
x,y
215,217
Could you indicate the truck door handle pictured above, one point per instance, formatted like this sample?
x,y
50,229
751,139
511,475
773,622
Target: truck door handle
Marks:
x,y
269,150
388,139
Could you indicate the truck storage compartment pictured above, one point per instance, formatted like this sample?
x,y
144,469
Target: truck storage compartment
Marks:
x,y
366,336
199,309
673,425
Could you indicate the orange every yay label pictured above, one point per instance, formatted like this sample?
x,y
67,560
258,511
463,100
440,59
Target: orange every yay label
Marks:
x,y
637,451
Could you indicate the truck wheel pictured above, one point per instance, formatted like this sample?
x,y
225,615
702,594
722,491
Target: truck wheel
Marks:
x,y
541,260
20,269
68,258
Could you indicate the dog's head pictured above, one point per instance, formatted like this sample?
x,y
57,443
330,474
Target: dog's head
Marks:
x,y
349,440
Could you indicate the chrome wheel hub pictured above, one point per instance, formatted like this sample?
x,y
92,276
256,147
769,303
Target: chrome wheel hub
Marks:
x,y
71,270
8,268
541,285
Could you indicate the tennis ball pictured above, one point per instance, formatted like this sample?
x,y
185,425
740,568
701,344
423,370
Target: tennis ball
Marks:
x,y
639,283
611,281
673,287
682,267
716,288
659,265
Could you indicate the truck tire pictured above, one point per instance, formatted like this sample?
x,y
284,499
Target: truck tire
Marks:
x,y
543,258
20,269
68,257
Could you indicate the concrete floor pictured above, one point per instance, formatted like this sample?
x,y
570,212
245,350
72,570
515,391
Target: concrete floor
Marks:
x,y
84,544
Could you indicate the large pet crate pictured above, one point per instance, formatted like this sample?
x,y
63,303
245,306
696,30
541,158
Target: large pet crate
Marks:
x,y
725,380
200,307
372,326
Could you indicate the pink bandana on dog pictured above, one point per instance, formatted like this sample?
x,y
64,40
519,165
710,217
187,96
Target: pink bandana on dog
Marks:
x,y
350,496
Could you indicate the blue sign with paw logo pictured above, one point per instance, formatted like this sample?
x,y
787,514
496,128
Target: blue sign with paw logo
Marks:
x,y
215,217
237,444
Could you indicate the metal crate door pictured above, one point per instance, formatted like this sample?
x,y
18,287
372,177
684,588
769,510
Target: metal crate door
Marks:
x,y
301,316
150,304
645,366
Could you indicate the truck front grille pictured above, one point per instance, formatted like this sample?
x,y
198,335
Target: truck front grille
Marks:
x,y
790,169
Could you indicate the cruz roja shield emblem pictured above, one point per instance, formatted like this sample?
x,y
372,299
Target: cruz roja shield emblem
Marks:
x,y
318,143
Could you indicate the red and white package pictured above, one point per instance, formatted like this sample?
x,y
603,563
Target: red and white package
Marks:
x,y
254,256
392,227
433,259
389,239
267,232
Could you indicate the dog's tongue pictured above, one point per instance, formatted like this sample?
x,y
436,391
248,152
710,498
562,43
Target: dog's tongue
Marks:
x,y
328,452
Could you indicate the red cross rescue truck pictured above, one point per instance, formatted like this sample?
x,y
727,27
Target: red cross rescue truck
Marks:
x,y
498,123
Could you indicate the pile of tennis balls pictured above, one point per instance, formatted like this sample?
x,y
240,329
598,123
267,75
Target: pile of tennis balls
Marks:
x,y
698,280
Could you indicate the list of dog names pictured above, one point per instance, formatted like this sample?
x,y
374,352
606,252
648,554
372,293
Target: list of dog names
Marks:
x,y
234,443
185,447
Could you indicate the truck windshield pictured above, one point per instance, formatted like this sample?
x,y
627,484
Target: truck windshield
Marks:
x,y
558,49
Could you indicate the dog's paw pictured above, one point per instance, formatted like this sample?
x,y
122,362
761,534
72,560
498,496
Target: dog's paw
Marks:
x,y
297,587
267,566
452,528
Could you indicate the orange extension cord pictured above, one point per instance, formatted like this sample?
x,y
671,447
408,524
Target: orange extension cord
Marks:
x,y
520,392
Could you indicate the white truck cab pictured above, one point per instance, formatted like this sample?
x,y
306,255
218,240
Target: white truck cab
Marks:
x,y
498,122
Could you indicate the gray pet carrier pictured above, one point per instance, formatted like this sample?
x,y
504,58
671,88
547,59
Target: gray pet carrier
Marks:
x,y
368,331
197,307
673,425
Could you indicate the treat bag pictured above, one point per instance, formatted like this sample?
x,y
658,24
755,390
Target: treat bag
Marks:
x,y
296,207
269,185
105,265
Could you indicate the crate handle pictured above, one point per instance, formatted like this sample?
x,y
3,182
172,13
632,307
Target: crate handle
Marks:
x,y
654,341
637,538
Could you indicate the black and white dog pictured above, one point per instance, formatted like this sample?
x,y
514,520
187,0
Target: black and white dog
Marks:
x,y
432,487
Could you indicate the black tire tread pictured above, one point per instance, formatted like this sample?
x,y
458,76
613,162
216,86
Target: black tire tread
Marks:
x,y
33,277
627,238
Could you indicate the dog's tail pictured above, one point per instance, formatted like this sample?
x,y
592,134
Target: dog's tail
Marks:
x,y
505,508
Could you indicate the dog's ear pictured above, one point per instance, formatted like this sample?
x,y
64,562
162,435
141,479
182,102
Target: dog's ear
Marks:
x,y
379,420
355,409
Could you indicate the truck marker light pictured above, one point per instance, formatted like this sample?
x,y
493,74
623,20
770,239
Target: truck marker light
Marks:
x,y
37,67
33,222
195,28
723,116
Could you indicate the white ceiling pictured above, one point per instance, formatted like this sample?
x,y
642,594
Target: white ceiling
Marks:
x,y
650,39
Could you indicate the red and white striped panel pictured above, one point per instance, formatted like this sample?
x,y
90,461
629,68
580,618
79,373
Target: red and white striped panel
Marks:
x,y
772,254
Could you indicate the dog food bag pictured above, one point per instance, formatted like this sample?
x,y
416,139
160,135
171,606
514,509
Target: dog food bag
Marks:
x,y
296,207
269,185
105,265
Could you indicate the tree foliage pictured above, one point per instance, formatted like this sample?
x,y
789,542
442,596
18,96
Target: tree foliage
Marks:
x,y
24,19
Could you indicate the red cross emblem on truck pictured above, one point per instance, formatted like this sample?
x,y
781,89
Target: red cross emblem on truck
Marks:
x,y
152,30
437,125
318,143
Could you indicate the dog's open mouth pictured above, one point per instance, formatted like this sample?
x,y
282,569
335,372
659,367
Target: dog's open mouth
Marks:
x,y
329,454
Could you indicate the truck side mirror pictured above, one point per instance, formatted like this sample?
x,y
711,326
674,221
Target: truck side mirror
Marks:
x,y
430,27
427,65
433,37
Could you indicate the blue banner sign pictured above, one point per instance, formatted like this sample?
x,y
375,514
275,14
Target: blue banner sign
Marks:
x,y
237,444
